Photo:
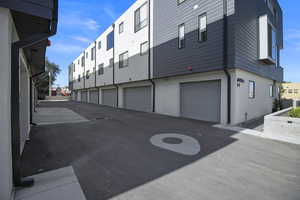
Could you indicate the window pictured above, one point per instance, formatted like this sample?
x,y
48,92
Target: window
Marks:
x,y
144,48
101,69
86,55
87,74
296,91
123,60
271,91
268,49
202,28
180,1
99,45
251,89
74,66
140,18
110,40
111,62
290,91
121,27
79,62
93,53
82,61
78,77
272,46
181,36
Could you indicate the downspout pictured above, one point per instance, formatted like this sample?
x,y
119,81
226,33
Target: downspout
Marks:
x,y
15,98
149,57
84,72
114,70
95,63
225,60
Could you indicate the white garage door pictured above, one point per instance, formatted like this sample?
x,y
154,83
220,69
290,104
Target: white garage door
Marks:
x,y
201,100
84,96
138,98
94,95
109,97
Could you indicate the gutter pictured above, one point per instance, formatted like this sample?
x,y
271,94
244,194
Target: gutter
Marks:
x,y
15,97
149,57
225,59
114,71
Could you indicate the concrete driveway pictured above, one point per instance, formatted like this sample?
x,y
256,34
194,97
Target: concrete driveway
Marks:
x,y
113,158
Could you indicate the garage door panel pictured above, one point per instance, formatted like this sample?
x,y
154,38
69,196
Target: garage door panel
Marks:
x,y
138,98
201,100
94,95
109,97
84,95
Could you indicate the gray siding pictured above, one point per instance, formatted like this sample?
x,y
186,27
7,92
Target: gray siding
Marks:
x,y
247,40
242,49
206,56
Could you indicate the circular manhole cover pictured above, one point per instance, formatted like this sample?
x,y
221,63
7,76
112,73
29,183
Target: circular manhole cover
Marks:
x,y
172,140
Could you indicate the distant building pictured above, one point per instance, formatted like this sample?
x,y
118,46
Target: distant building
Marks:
x,y
291,91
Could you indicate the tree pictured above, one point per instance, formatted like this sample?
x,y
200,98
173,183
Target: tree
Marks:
x,y
42,81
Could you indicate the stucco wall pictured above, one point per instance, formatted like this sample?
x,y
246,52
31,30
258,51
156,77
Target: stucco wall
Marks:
x,y
5,131
168,92
245,108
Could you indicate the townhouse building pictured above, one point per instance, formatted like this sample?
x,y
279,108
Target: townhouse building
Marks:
x,y
24,30
211,60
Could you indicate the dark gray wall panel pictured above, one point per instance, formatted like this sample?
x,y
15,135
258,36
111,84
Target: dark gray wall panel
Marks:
x,y
201,100
109,97
206,56
84,96
247,40
138,98
94,96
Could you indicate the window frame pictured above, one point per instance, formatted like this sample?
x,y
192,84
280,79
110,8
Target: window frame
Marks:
x,y
107,40
146,52
101,66
179,41
87,74
121,25
127,60
271,90
199,28
138,27
99,45
254,89
111,62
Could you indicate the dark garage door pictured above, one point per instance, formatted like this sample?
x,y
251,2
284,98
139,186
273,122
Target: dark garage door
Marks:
x,y
201,100
94,95
109,97
138,98
84,96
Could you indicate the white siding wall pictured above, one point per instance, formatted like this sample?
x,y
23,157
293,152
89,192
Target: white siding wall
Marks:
x,y
131,41
89,65
78,71
103,57
242,105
